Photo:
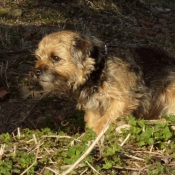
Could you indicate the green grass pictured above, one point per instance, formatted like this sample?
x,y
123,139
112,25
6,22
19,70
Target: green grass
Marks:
x,y
57,150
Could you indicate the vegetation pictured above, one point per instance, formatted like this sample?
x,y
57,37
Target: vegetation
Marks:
x,y
149,148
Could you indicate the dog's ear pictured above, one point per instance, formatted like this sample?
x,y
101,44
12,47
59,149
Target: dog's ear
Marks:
x,y
89,47
84,47
80,48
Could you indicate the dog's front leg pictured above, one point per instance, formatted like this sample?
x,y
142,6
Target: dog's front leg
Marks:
x,y
91,118
115,110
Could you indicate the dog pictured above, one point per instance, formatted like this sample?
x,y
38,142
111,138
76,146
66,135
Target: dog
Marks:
x,y
138,81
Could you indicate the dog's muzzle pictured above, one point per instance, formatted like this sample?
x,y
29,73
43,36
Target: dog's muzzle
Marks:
x,y
37,72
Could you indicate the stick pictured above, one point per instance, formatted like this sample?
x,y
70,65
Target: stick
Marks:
x,y
92,167
6,80
88,150
36,155
134,157
130,169
54,171
18,51
125,140
45,94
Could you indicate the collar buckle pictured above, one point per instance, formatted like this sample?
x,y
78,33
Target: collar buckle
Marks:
x,y
106,49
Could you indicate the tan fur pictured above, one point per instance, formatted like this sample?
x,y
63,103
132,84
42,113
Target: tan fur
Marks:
x,y
167,99
120,89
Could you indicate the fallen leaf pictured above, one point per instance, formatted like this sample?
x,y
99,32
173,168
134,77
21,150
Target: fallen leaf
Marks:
x,y
166,160
27,35
3,93
58,119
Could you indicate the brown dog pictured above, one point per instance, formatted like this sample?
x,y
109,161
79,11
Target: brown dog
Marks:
x,y
136,81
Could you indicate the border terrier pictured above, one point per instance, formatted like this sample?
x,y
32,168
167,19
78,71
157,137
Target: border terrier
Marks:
x,y
138,81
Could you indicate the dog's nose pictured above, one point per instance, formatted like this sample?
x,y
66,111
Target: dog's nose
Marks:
x,y
37,72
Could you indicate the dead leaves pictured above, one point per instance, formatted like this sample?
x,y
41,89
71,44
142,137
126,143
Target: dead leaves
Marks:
x,y
146,22
3,93
152,30
152,27
30,36
151,22
164,159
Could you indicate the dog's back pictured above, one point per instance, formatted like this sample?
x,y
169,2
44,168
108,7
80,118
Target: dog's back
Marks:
x,y
155,71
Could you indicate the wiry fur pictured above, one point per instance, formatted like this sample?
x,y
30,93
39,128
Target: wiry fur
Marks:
x,y
136,81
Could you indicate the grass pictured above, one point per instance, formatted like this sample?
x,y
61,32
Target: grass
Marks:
x,y
51,138
48,151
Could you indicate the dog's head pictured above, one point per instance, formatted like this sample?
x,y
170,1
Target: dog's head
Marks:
x,y
66,59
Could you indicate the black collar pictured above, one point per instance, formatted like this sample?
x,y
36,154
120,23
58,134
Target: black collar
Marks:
x,y
90,86
93,80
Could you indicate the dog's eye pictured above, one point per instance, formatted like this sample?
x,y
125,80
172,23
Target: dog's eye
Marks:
x,y
55,58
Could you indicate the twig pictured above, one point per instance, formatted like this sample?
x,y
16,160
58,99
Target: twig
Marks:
x,y
83,172
2,149
18,51
54,171
7,118
61,137
34,138
143,169
92,167
125,140
136,164
18,132
134,157
45,94
124,126
88,150
151,149
147,152
6,67
63,167
1,69
39,145
36,155
131,169
169,141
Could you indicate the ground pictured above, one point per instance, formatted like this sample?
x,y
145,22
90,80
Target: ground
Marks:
x,y
23,23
